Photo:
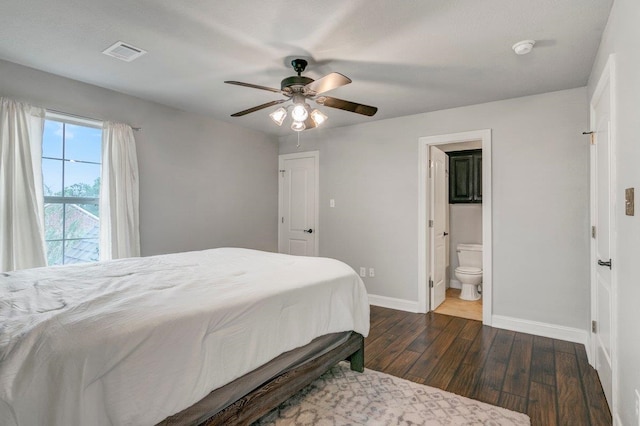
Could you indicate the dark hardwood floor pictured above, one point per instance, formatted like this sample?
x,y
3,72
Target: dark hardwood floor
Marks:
x,y
548,379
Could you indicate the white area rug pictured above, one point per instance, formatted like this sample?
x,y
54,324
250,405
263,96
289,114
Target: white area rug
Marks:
x,y
344,397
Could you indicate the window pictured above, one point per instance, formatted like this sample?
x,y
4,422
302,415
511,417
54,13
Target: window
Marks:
x,y
71,162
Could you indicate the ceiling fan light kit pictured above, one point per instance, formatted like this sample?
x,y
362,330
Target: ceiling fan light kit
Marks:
x,y
318,117
299,112
278,116
299,89
298,126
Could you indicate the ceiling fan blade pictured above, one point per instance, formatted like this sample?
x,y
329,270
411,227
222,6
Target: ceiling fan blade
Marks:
x,y
347,106
258,108
254,86
328,82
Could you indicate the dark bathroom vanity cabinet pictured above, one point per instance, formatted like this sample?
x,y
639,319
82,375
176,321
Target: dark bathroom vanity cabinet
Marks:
x,y
465,176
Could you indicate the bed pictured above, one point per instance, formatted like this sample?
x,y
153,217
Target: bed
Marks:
x,y
156,340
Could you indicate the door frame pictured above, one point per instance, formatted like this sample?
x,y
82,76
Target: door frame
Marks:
x,y
607,76
316,225
424,197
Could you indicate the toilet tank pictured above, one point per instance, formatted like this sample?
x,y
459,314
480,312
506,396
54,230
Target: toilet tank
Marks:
x,y
470,255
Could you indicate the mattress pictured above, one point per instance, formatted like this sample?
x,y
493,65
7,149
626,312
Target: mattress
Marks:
x,y
134,341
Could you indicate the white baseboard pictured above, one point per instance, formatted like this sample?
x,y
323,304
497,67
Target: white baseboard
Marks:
x,y
455,284
393,303
553,331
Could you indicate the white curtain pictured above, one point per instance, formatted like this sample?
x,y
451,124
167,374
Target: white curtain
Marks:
x,y
21,195
119,217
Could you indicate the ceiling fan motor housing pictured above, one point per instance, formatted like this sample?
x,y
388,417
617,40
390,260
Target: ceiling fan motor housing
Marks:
x,y
296,80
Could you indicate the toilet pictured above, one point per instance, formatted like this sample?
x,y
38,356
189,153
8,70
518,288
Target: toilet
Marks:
x,y
469,273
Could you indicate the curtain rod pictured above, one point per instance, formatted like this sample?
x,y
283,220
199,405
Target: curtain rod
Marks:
x,y
137,129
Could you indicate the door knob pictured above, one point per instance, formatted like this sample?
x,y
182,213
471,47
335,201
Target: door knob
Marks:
x,y
308,231
602,263
445,234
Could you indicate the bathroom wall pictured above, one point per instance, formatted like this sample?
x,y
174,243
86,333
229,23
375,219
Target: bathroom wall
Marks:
x,y
465,227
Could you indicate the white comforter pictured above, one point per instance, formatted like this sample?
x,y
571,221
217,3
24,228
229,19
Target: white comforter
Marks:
x,y
133,341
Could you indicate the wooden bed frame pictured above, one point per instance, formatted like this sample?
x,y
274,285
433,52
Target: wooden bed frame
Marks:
x,y
260,401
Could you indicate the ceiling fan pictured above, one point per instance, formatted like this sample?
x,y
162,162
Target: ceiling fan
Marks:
x,y
298,89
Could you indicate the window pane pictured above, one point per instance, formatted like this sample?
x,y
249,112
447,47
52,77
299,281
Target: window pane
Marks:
x,y
54,253
82,143
52,177
81,179
81,251
80,222
52,139
53,221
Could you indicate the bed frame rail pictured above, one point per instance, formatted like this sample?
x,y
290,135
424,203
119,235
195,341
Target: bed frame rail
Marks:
x,y
262,400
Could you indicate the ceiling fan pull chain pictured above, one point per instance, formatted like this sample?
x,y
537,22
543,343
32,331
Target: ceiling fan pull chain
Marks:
x,y
298,146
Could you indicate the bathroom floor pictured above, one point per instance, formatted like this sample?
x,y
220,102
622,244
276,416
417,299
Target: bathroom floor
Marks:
x,y
457,307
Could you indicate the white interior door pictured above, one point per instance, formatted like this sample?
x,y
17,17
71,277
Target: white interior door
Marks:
x,y
602,217
298,224
438,225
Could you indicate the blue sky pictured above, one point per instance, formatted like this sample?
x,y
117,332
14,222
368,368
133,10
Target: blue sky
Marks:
x,y
82,144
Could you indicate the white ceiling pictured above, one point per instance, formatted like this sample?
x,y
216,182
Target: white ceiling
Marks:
x,y
404,56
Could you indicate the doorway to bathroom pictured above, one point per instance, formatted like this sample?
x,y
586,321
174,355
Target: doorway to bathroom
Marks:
x,y
455,251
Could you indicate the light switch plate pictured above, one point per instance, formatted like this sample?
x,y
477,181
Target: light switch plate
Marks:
x,y
629,202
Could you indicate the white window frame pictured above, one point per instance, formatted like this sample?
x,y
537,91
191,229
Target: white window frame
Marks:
x,y
78,121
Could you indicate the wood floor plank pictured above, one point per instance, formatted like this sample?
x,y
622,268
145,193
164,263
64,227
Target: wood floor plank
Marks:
x,y
465,380
542,407
562,346
490,382
516,380
599,412
401,364
470,330
479,350
512,402
543,343
378,346
445,369
386,324
571,401
406,335
429,358
433,329
542,366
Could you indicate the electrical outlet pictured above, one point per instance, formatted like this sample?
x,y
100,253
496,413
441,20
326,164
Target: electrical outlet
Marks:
x,y
332,203
363,271
372,272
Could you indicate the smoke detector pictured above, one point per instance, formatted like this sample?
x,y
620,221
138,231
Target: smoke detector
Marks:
x,y
523,47
124,51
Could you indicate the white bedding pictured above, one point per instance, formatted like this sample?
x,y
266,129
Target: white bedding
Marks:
x,y
130,342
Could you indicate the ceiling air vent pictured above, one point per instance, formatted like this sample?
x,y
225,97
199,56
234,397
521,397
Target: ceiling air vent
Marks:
x,y
124,52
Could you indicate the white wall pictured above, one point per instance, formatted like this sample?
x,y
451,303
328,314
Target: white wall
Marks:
x,y
465,227
622,37
540,200
203,183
